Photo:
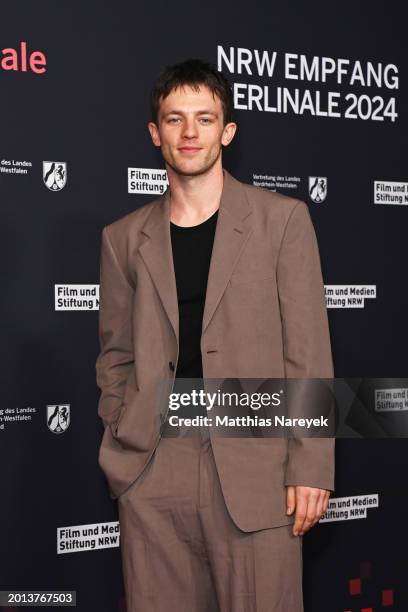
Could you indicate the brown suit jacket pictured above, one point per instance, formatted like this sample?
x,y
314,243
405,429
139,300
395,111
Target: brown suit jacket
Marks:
x,y
264,317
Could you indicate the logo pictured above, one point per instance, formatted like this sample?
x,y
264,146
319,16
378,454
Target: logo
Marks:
x,y
391,400
147,180
317,188
58,417
54,175
76,297
391,192
349,508
348,296
92,536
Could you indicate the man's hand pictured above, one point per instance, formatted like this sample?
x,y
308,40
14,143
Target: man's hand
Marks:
x,y
310,504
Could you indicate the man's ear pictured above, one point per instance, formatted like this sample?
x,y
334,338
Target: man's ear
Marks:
x,y
228,133
154,133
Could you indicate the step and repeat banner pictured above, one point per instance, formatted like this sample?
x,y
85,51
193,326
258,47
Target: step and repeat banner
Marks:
x,y
320,97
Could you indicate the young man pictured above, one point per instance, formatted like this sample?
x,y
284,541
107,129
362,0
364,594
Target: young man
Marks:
x,y
213,279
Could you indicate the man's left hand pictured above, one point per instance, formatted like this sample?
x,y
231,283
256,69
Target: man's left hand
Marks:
x,y
310,504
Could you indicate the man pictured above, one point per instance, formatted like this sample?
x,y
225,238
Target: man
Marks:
x,y
213,279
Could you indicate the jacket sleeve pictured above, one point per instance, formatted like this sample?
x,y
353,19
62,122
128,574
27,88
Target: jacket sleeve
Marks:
x,y
115,360
306,341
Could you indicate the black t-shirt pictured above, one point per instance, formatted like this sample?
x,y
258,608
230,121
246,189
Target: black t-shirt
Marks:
x,y
192,248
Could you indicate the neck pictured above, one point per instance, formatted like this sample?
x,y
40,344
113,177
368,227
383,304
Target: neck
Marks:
x,y
193,199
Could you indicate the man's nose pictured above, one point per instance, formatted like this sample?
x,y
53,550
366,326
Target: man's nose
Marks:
x,y
189,129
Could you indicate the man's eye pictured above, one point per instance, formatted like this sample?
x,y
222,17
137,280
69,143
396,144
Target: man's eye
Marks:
x,y
174,119
205,120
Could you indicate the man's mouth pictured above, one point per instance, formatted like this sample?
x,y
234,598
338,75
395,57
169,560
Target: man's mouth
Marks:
x,y
189,149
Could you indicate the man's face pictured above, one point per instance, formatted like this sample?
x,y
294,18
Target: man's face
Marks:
x,y
190,130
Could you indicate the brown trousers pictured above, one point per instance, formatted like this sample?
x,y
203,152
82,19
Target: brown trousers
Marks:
x,y
181,551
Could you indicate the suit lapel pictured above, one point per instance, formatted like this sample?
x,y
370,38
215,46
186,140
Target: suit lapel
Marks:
x,y
157,254
231,234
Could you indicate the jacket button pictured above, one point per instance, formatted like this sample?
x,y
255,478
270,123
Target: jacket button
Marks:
x,y
171,366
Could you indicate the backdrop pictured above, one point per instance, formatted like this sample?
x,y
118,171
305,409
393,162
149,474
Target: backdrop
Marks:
x,y
320,93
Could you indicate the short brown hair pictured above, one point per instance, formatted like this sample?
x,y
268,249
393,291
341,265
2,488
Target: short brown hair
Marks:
x,y
192,72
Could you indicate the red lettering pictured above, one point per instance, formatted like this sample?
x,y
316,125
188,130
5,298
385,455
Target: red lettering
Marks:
x,y
12,60
23,47
35,63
